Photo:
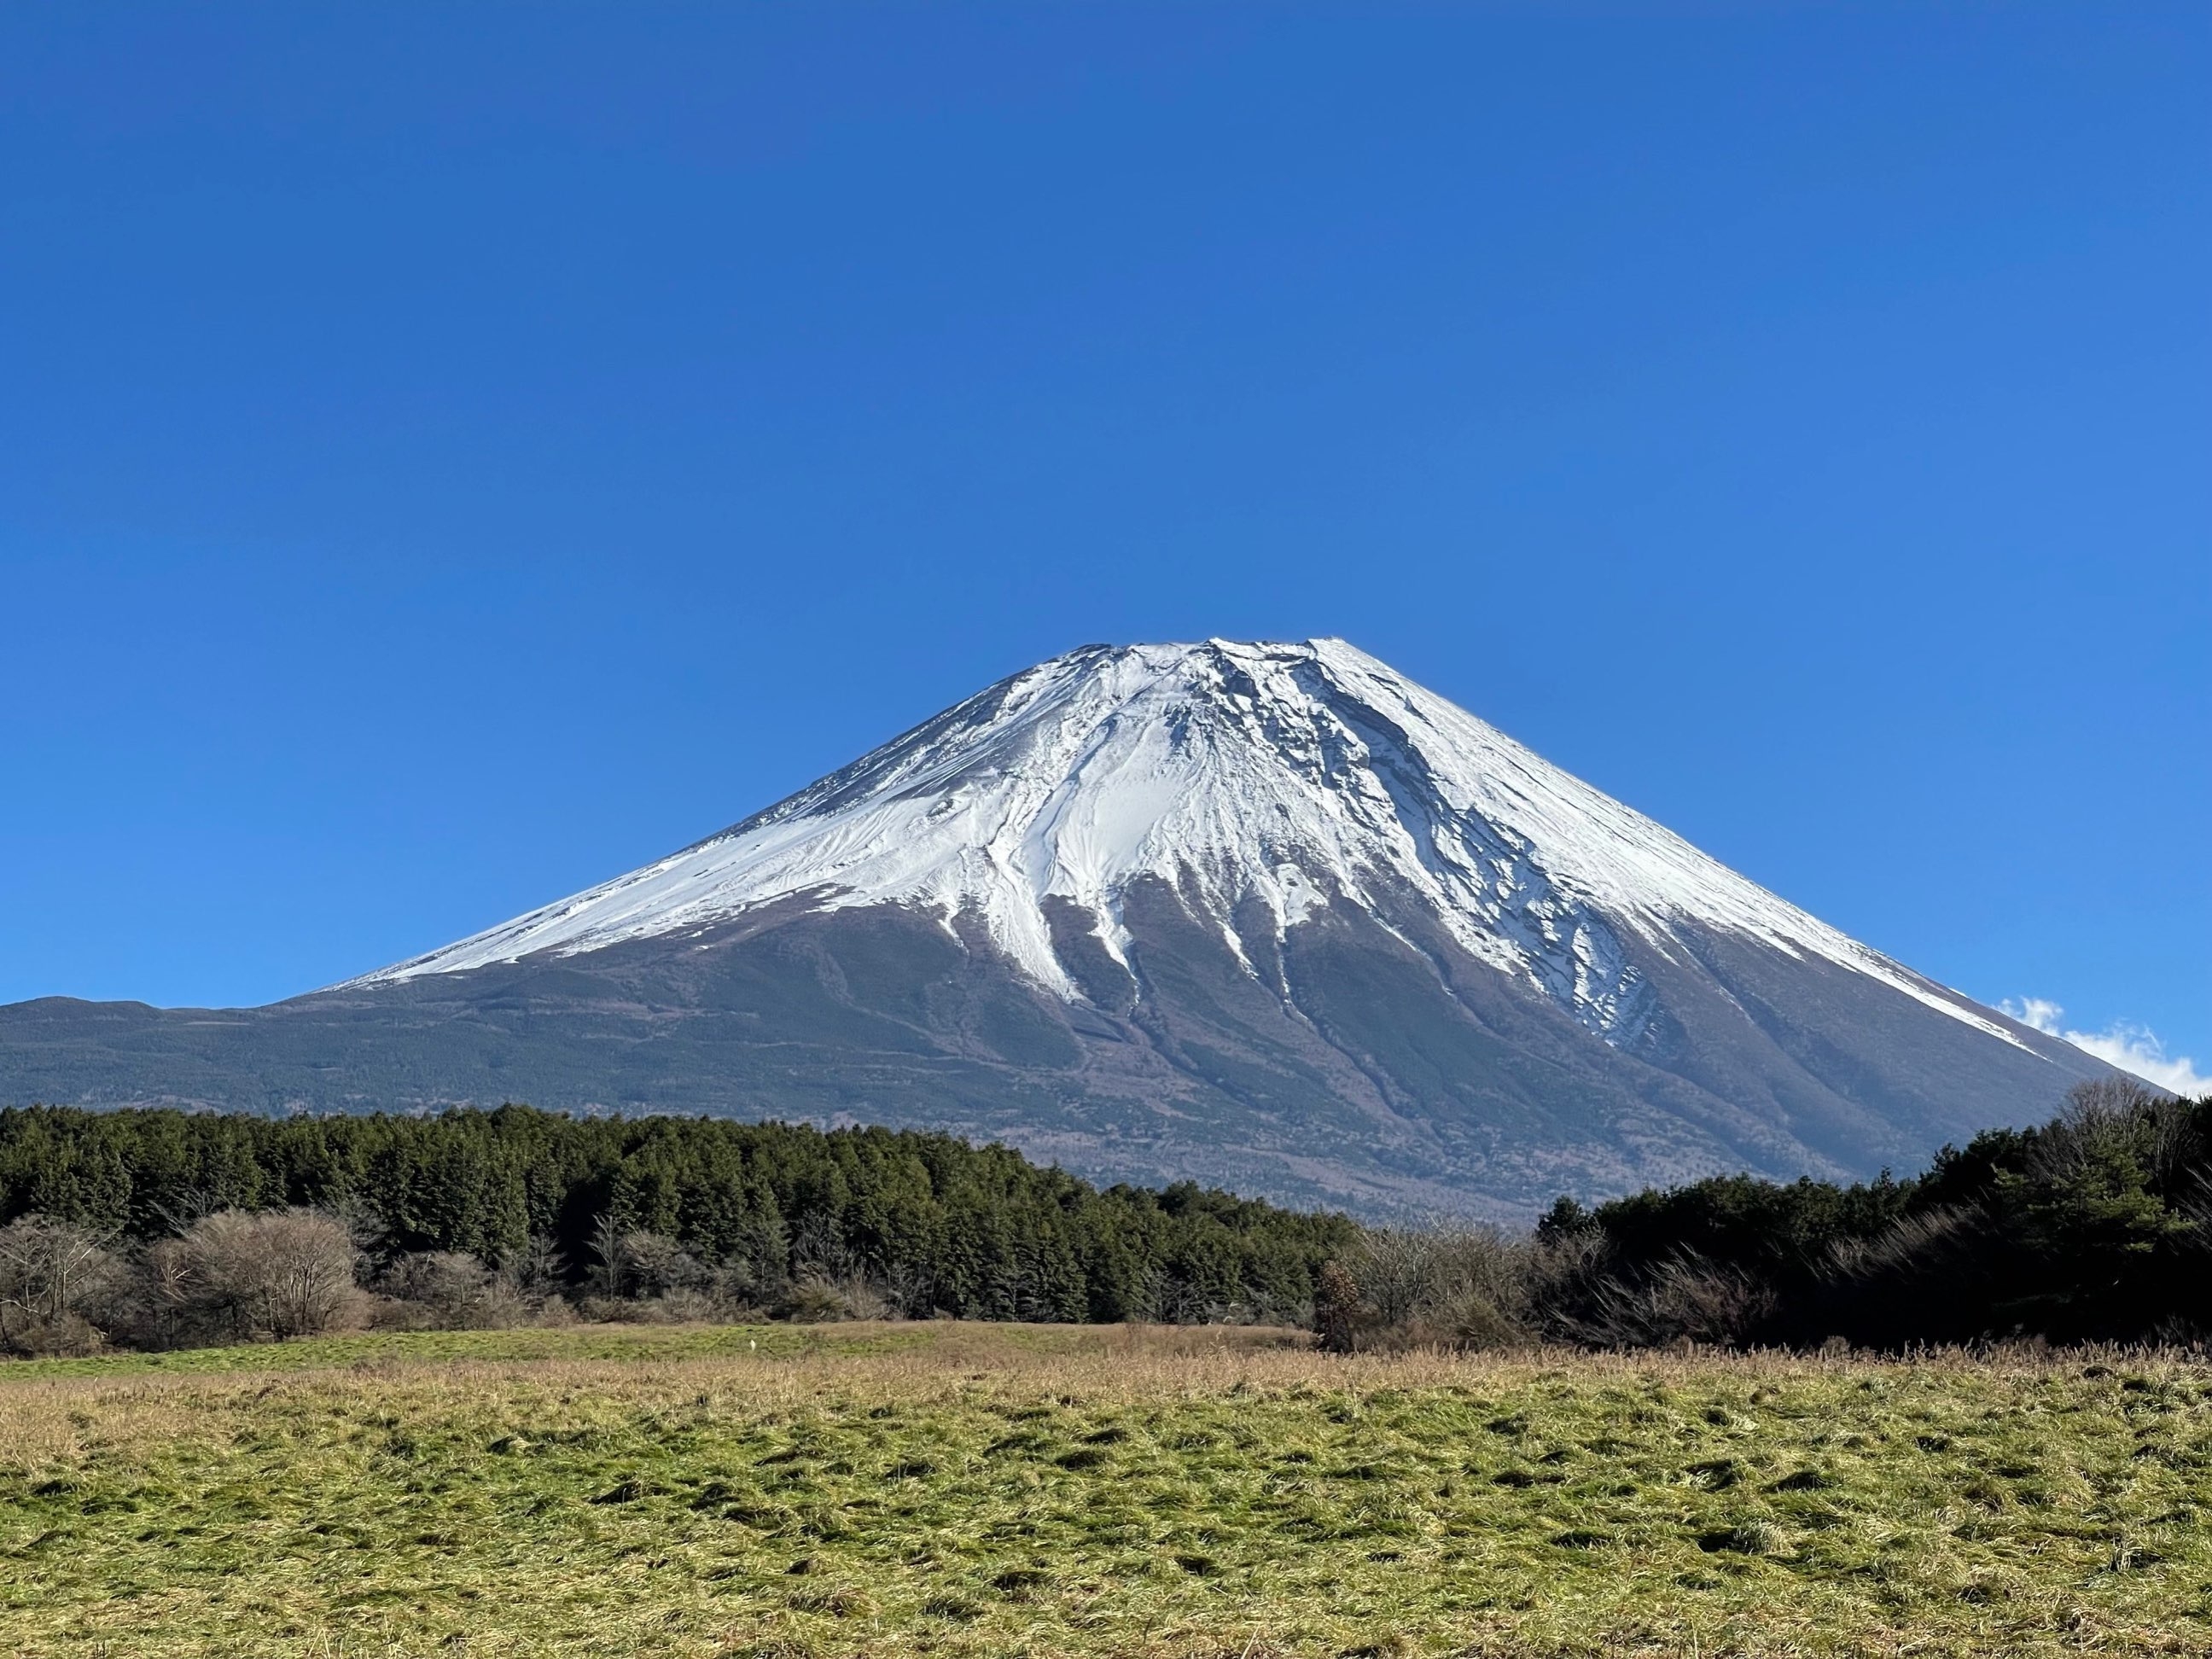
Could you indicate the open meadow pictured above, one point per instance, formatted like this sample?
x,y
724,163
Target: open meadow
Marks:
x,y
963,1489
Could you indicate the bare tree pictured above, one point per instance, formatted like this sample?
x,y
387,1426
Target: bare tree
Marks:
x,y
539,1271
1397,1270
452,1290
48,1272
282,1273
610,1266
2114,1099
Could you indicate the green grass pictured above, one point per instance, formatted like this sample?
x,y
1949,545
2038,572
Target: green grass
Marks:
x,y
614,1342
996,1491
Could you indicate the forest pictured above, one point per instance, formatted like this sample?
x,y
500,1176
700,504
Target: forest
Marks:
x,y
481,1217
162,1228
2093,1227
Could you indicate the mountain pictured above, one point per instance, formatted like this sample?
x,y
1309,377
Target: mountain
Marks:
x,y
1269,915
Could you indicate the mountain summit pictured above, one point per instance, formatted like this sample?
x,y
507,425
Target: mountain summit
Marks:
x,y
1270,915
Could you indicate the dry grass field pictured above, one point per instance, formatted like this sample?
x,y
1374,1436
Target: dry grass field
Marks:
x,y
973,1490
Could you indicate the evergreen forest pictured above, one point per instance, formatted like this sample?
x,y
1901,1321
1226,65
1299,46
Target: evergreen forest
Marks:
x,y
751,1215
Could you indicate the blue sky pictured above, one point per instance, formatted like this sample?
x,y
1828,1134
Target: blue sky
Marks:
x,y
451,455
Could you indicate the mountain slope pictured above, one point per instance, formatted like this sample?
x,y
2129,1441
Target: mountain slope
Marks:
x,y
1270,913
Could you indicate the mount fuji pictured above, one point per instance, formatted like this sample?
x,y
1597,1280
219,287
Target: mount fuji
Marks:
x,y
1268,916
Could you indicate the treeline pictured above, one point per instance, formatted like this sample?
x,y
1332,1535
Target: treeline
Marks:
x,y
160,1228
2094,1227
482,1216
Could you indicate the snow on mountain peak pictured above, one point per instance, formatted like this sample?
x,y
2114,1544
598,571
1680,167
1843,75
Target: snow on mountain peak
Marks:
x,y
1300,775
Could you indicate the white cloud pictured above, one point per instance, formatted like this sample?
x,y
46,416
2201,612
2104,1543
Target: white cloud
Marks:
x,y
2130,1046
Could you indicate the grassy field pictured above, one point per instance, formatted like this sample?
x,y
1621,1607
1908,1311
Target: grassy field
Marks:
x,y
966,1490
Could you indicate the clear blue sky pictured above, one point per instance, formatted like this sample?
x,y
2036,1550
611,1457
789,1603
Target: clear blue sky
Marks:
x,y
449,455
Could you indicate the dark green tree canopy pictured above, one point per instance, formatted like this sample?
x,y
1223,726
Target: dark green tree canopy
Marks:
x,y
977,1231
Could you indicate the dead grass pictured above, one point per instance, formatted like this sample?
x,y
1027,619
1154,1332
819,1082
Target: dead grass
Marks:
x,y
992,1490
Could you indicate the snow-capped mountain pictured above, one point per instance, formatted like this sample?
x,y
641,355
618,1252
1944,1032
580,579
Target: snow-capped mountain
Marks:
x,y
1296,776
1268,913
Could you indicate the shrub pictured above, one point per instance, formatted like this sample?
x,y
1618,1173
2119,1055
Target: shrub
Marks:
x,y
652,1264
1682,1299
284,1273
1337,1310
1459,1287
816,1299
452,1291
